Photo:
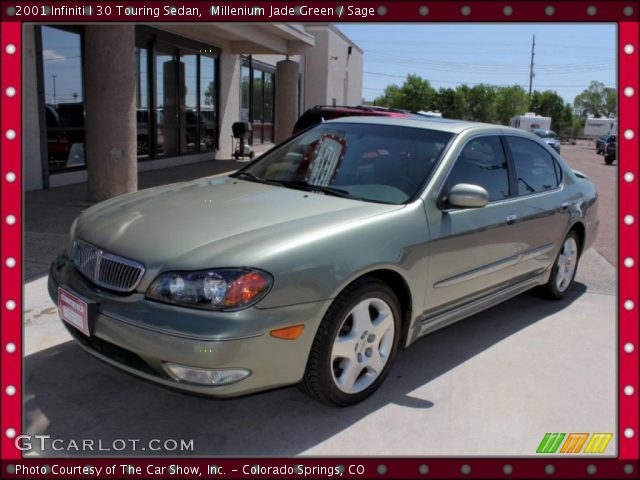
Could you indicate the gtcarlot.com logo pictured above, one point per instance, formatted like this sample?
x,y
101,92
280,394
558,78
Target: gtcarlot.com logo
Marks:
x,y
574,443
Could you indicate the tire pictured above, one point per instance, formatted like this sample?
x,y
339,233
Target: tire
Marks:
x,y
560,281
608,160
350,358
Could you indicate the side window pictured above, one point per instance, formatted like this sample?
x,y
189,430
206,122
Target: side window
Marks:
x,y
482,162
536,170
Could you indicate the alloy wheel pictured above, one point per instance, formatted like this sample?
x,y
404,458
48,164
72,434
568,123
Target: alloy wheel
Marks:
x,y
363,345
566,266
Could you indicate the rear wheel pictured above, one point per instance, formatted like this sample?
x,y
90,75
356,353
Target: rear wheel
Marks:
x,y
608,160
565,267
355,345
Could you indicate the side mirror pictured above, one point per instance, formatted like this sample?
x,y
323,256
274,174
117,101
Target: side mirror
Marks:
x,y
466,195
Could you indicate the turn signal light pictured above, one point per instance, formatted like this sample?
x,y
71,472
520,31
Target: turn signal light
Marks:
x,y
288,333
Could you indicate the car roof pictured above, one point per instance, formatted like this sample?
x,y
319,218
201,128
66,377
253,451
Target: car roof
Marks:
x,y
430,123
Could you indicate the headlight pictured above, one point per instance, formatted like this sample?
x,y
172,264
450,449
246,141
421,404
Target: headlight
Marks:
x,y
219,289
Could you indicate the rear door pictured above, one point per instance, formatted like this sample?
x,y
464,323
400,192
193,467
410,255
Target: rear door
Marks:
x,y
540,203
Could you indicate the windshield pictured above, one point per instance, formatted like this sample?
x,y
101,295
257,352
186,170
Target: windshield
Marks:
x,y
379,163
546,133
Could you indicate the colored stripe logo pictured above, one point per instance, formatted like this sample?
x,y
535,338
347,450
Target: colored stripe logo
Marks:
x,y
573,443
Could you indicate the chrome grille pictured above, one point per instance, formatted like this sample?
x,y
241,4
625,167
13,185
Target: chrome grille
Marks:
x,y
105,269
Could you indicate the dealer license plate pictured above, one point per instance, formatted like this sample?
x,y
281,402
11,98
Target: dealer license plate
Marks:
x,y
73,310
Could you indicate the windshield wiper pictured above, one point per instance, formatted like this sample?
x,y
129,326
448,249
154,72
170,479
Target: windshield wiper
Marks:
x,y
302,185
247,176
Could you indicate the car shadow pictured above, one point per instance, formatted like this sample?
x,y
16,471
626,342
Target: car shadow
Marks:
x,y
69,395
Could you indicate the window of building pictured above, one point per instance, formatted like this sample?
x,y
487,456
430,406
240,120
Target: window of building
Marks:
x,y
184,80
536,170
257,94
245,93
482,162
208,103
143,120
62,78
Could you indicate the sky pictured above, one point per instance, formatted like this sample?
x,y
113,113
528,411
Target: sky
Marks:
x,y
567,56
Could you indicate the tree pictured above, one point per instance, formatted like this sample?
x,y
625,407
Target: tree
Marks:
x,y
596,100
482,103
415,94
550,104
510,101
452,103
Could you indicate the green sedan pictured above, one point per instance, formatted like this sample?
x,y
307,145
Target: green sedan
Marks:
x,y
316,262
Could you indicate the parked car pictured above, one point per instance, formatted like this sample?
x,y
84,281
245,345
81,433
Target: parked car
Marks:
x,y
317,261
609,152
322,113
601,142
549,137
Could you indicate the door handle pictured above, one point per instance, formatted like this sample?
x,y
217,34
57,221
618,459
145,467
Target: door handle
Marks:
x,y
511,219
565,205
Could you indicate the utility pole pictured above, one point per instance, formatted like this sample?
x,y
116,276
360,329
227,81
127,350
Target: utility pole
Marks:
x,y
54,88
531,74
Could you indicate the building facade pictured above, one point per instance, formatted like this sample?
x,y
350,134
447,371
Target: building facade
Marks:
x,y
102,102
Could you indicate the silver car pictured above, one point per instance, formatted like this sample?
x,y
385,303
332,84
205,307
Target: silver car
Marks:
x,y
316,262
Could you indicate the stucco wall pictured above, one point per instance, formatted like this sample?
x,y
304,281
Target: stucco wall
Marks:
x,y
333,73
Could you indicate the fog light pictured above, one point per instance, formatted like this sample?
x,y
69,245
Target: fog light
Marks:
x,y
206,376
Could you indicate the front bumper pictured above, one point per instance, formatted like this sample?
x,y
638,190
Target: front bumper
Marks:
x,y
140,336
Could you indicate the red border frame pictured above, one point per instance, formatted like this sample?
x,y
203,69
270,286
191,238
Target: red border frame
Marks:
x,y
628,202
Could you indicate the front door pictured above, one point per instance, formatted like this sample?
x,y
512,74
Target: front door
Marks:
x,y
473,250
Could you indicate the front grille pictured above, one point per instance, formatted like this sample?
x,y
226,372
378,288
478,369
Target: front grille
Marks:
x,y
105,269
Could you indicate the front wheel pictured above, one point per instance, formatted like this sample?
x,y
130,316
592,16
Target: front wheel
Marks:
x,y
564,269
355,345
608,160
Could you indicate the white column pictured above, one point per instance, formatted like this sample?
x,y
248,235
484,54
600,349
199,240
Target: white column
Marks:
x,y
286,112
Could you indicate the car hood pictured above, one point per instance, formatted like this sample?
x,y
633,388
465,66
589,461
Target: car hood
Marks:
x,y
220,219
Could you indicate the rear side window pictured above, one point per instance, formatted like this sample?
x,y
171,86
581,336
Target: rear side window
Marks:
x,y
482,162
536,170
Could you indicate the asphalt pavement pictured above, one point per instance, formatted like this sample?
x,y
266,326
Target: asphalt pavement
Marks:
x,y
492,384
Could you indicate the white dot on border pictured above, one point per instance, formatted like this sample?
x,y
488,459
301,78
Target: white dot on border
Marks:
x,y
591,10
10,262
628,469
628,49
549,469
628,134
10,432
549,10
629,390
629,433
628,219
627,11
11,219
628,305
10,177
507,469
10,347
628,262
628,177
10,305
10,92
423,10
10,134
10,390
10,49
507,11
465,10
628,347
629,91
